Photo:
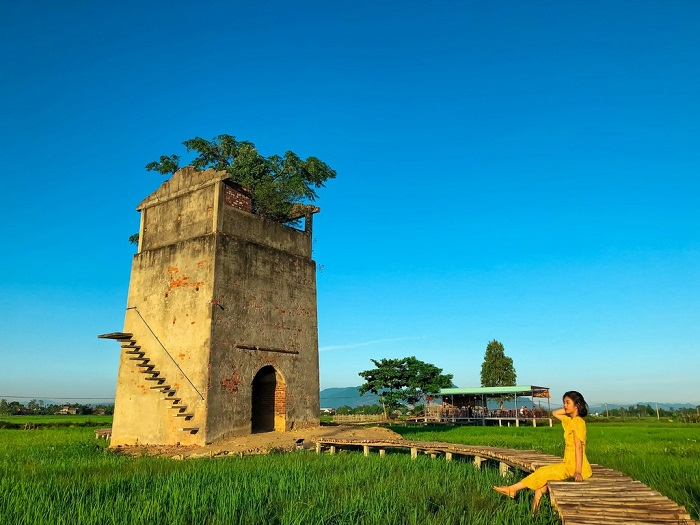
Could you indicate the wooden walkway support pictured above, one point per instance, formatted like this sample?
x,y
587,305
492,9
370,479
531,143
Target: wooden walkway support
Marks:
x,y
103,433
607,498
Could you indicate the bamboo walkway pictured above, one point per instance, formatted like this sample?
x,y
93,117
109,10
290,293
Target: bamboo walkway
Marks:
x,y
607,498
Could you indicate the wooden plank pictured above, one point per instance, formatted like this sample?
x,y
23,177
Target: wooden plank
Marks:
x,y
625,510
617,521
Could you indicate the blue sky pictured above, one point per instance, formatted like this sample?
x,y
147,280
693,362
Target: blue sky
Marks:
x,y
519,171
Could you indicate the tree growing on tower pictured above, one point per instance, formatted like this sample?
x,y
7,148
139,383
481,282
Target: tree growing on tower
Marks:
x,y
280,186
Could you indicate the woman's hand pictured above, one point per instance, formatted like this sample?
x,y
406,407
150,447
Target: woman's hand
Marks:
x,y
578,476
559,413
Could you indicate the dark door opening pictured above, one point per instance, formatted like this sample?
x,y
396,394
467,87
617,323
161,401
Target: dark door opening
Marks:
x,y
263,406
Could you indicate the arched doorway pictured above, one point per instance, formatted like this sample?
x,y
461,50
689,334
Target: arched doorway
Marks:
x,y
268,404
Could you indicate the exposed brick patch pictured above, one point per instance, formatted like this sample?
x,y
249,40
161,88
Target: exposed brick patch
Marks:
x,y
184,281
238,197
231,384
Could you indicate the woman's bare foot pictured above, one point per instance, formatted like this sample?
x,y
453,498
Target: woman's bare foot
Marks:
x,y
506,491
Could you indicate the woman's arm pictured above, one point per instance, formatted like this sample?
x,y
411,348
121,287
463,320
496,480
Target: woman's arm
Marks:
x,y
578,446
559,413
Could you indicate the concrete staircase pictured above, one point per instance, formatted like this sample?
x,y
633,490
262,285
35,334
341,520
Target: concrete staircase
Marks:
x,y
160,385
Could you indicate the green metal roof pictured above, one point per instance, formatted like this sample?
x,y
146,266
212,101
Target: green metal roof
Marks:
x,y
522,390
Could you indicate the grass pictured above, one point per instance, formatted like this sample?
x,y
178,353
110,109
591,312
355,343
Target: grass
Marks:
x,y
55,421
62,475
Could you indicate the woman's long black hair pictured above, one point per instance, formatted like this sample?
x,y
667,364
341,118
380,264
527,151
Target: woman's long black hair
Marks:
x,y
578,400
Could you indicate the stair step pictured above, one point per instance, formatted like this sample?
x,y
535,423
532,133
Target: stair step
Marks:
x,y
133,352
119,336
178,407
156,378
175,400
146,362
190,429
186,415
137,358
155,373
132,346
165,389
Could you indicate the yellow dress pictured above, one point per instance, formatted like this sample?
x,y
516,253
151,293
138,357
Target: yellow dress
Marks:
x,y
567,469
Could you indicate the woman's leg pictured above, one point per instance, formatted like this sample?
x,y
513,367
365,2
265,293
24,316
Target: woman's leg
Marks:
x,y
510,490
542,475
536,481
538,497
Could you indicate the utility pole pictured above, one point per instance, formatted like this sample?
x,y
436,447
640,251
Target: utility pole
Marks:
x,y
657,411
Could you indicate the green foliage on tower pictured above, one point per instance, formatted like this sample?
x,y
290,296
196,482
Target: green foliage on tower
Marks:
x,y
277,183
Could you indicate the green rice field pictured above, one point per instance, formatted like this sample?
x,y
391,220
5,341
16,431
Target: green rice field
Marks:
x,y
63,475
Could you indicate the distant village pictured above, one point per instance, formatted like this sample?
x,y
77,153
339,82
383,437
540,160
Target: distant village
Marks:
x,y
38,407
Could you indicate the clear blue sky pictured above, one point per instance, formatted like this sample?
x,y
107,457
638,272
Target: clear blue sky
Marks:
x,y
520,171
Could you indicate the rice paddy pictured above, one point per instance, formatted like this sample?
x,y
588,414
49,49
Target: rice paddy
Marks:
x,y
63,475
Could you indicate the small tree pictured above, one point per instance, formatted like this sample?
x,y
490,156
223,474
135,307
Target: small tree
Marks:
x,y
277,183
406,380
497,368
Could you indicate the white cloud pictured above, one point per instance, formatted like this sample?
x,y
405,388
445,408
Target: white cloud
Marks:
x,y
366,343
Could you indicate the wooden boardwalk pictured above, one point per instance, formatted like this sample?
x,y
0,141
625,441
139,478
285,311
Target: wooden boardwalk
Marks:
x,y
607,498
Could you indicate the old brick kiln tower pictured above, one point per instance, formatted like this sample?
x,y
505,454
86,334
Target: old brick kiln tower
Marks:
x,y
220,333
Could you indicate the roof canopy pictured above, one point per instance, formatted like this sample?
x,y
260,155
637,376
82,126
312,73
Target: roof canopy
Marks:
x,y
497,391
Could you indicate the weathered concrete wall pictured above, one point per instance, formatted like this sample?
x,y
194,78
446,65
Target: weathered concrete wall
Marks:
x,y
182,208
268,302
171,291
169,301
254,229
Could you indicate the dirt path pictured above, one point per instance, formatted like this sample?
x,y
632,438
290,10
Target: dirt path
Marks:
x,y
261,443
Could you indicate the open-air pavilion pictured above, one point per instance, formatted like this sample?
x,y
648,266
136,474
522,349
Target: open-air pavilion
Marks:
x,y
471,406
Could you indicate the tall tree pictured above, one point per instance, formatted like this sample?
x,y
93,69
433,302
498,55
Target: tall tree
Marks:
x,y
406,380
497,368
277,183
34,406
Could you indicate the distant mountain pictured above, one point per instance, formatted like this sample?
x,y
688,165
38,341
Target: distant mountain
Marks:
x,y
350,396
600,409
